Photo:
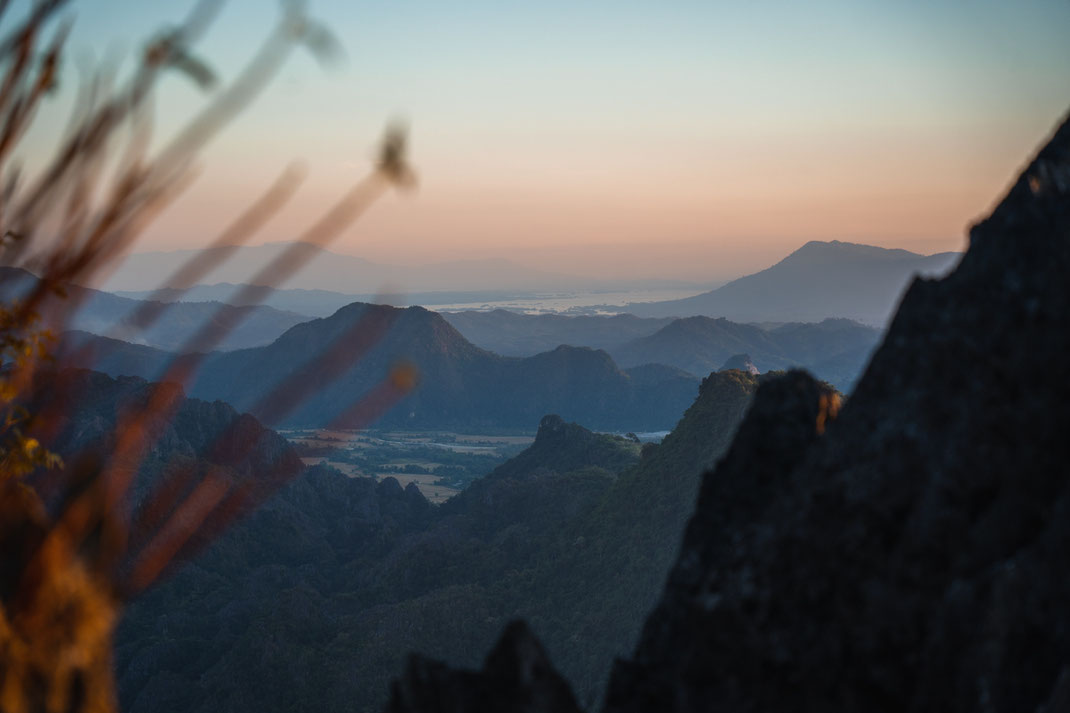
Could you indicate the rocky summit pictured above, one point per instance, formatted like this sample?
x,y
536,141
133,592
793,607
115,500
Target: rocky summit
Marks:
x,y
741,362
905,553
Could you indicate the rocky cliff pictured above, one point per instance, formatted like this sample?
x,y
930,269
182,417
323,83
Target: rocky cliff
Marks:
x,y
907,553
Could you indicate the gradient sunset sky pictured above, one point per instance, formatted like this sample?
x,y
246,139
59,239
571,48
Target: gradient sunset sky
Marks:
x,y
699,140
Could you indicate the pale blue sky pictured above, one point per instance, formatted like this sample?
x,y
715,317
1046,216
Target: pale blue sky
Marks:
x,y
684,138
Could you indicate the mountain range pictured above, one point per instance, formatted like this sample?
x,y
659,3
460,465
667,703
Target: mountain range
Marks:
x,y
514,334
834,349
642,384
461,386
104,313
817,281
699,345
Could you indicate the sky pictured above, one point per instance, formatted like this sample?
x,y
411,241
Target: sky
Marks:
x,y
691,140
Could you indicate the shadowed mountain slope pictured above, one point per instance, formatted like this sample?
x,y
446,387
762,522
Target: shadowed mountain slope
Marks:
x,y
834,349
702,344
907,554
575,533
206,637
902,560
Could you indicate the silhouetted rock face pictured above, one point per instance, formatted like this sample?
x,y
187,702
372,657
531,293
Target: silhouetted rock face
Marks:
x,y
516,678
740,361
560,447
913,557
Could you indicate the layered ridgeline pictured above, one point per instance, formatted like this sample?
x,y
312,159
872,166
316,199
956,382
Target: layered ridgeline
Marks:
x,y
516,334
835,350
104,313
907,554
313,602
817,281
461,386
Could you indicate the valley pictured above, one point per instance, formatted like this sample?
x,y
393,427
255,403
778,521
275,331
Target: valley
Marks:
x,y
440,465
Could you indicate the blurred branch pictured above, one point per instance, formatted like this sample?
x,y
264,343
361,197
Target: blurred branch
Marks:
x,y
70,224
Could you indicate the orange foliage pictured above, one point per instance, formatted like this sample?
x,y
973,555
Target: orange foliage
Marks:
x,y
61,588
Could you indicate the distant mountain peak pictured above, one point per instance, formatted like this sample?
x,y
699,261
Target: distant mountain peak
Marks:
x,y
820,279
839,249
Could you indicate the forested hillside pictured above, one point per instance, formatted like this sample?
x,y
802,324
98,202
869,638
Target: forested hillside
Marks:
x,y
313,601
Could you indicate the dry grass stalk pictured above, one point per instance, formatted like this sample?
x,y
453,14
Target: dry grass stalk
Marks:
x,y
68,573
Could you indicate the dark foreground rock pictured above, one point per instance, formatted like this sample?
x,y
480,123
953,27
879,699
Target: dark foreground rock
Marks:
x,y
516,678
910,554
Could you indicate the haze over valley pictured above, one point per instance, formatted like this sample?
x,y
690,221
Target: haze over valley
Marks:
x,y
605,367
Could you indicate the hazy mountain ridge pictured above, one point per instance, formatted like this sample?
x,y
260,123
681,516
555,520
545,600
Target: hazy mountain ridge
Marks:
x,y
105,313
835,350
702,345
461,385
817,281
515,334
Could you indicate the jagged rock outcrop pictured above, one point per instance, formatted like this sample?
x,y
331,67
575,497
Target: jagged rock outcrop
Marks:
x,y
561,447
910,559
516,678
908,555
740,361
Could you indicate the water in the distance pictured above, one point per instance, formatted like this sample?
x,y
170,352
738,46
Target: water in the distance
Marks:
x,y
569,302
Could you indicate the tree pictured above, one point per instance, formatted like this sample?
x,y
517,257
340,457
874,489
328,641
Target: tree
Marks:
x,y
60,588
